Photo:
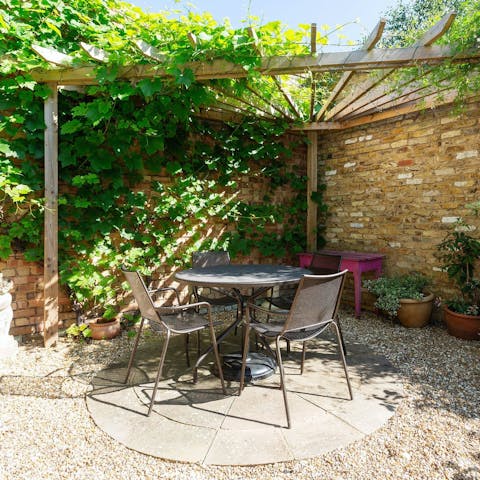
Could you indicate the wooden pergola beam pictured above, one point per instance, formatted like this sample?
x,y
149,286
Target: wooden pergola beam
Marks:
x,y
425,103
227,96
50,275
271,104
149,51
376,59
376,95
371,41
389,100
425,41
278,83
53,56
312,180
429,102
95,53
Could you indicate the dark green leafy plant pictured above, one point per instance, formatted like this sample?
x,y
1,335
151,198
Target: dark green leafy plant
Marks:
x,y
390,290
459,252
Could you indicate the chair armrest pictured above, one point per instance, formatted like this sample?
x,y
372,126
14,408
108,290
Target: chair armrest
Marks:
x,y
189,306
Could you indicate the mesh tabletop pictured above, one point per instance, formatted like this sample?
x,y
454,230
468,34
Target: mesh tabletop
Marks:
x,y
238,276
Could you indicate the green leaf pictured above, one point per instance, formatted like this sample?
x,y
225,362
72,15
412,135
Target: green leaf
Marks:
x,y
184,77
89,179
71,127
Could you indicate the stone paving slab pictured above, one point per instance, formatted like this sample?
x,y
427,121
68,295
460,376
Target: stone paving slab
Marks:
x,y
197,423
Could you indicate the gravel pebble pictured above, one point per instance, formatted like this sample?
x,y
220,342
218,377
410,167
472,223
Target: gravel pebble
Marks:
x,y
46,431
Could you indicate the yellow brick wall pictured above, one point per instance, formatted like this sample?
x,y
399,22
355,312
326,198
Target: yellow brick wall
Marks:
x,y
397,185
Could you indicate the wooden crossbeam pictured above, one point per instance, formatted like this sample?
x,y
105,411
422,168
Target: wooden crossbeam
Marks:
x,y
220,115
371,41
413,96
376,59
227,95
192,38
278,83
271,104
317,126
149,51
426,41
383,96
94,52
51,55
375,95
429,102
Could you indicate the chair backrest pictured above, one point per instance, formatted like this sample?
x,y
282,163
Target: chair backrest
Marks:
x,y
210,258
325,263
143,299
317,300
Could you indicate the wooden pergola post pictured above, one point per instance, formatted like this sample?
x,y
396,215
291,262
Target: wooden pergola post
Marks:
x,y
50,330
312,182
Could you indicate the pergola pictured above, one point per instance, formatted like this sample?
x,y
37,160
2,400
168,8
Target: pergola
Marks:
x,y
357,98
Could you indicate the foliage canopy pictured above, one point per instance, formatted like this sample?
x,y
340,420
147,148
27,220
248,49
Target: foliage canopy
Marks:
x,y
143,176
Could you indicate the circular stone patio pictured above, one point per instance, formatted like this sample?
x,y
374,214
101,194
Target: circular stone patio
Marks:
x,y
197,423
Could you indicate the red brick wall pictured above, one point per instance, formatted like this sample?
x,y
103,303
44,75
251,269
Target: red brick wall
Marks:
x,y
28,277
28,296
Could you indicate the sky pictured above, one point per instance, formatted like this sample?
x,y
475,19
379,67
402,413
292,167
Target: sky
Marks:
x,y
362,15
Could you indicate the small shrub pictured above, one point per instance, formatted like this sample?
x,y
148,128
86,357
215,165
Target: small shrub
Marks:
x,y
390,290
79,332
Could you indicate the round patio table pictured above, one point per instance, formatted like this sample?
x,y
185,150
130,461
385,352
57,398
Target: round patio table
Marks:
x,y
244,283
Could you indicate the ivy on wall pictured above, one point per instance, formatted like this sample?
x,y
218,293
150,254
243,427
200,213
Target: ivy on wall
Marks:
x,y
142,178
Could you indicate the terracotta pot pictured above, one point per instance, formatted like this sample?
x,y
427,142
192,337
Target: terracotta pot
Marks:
x,y
462,326
104,330
415,313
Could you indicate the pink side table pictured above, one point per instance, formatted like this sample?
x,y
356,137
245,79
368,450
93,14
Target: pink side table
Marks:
x,y
355,262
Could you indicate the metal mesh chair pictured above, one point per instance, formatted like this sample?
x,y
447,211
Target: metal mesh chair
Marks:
x,y
321,264
172,320
315,307
206,259
325,263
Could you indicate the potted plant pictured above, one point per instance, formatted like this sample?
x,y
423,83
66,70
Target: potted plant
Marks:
x,y
8,345
459,252
102,323
403,296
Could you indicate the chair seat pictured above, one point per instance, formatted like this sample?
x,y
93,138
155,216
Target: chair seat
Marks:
x,y
273,329
185,323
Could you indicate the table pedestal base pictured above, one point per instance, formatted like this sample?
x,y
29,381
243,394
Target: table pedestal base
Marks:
x,y
259,366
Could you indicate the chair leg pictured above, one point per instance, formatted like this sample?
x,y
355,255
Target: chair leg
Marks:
x,y
160,370
187,341
304,348
217,357
342,356
282,380
244,355
337,321
134,350
198,343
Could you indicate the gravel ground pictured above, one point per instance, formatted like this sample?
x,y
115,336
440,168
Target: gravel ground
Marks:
x,y
46,431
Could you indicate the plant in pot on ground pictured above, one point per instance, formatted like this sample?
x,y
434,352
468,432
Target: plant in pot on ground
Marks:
x,y
403,296
459,252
